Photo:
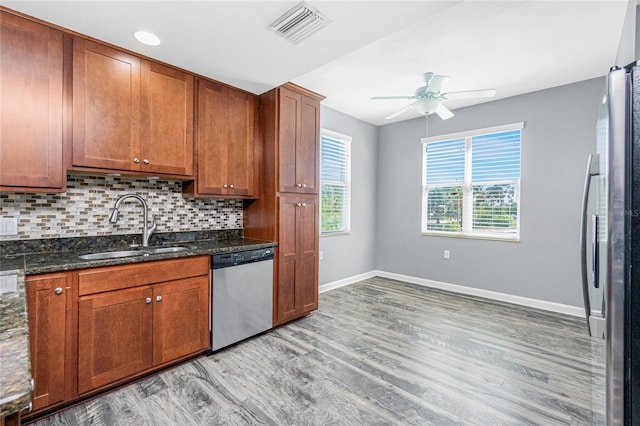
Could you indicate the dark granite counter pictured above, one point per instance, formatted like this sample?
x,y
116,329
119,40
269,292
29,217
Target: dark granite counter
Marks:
x,y
28,257
15,364
63,254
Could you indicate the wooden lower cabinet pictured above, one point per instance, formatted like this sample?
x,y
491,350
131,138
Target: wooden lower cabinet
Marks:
x,y
115,336
296,292
128,331
47,307
180,309
94,328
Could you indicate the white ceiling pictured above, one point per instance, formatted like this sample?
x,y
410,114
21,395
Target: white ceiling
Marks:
x,y
371,48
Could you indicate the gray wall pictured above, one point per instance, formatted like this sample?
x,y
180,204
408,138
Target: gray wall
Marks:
x,y
558,136
353,254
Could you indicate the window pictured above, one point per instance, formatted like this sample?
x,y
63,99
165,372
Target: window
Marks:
x,y
471,184
335,182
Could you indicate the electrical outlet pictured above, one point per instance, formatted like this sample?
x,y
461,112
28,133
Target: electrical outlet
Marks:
x,y
447,254
8,226
321,256
8,283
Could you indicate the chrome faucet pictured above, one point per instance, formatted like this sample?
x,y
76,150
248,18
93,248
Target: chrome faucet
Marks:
x,y
146,231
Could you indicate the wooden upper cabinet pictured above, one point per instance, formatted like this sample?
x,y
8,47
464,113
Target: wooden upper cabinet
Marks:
x,y
299,142
241,143
167,120
226,142
130,114
31,86
106,106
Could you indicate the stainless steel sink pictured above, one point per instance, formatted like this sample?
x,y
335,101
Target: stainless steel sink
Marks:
x,y
166,250
130,253
112,254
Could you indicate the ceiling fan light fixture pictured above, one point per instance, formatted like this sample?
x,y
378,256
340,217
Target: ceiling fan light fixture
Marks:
x,y
299,22
427,105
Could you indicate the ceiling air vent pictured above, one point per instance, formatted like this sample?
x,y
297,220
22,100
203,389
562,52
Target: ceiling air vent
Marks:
x,y
299,23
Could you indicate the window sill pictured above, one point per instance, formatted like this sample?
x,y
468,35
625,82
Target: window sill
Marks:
x,y
509,239
335,234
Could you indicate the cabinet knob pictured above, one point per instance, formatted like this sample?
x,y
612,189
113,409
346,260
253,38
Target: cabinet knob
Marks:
x,y
299,204
304,185
299,185
147,300
304,204
58,290
231,186
136,160
158,298
145,161
225,186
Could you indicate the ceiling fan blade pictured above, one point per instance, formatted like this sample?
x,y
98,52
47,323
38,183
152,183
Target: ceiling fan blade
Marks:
x,y
397,113
377,98
443,112
436,84
483,93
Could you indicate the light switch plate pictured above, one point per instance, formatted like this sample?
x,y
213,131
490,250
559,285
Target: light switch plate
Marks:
x,y
8,226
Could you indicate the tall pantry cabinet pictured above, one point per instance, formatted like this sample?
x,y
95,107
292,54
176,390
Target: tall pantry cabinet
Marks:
x,y
287,210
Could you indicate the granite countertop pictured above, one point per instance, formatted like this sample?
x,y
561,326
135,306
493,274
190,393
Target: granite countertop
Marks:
x,y
27,257
44,256
15,363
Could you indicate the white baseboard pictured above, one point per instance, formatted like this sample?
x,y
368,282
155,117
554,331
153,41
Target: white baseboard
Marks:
x,y
494,295
346,281
575,311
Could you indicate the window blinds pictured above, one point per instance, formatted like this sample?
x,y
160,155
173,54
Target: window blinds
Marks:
x,y
335,182
471,183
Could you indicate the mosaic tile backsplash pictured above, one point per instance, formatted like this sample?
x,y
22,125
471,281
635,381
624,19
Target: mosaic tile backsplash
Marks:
x,y
85,208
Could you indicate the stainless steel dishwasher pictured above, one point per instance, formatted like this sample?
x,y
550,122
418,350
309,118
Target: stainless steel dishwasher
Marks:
x,y
242,296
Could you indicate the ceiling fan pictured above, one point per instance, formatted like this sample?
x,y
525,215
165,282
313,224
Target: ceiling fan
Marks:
x,y
428,98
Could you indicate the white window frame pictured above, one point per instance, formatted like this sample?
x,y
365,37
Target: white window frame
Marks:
x,y
346,183
467,186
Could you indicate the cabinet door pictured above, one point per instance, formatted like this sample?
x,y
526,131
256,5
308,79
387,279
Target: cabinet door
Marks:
x,y
114,336
307,272
241,143
180,319
285,288
211,132
30,105
167,120
46,304
106,107
289,122
298,142
308,146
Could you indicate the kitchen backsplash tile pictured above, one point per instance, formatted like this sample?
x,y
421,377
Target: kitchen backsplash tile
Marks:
x,y
84,209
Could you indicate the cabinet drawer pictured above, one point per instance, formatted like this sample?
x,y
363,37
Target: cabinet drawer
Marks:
x,y
108,278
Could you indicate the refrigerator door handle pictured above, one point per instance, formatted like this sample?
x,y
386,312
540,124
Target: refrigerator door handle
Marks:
x,y
592,170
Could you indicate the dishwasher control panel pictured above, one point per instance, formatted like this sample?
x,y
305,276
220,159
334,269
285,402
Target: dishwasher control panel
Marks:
x,y
225,260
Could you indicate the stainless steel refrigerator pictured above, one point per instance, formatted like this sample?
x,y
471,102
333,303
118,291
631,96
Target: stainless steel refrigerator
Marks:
x,y
610,242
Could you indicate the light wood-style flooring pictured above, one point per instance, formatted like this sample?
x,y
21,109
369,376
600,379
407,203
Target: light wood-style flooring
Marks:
x,y
380,352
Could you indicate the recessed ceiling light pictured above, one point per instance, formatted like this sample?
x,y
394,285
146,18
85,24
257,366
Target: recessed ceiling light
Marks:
x,y
147,38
